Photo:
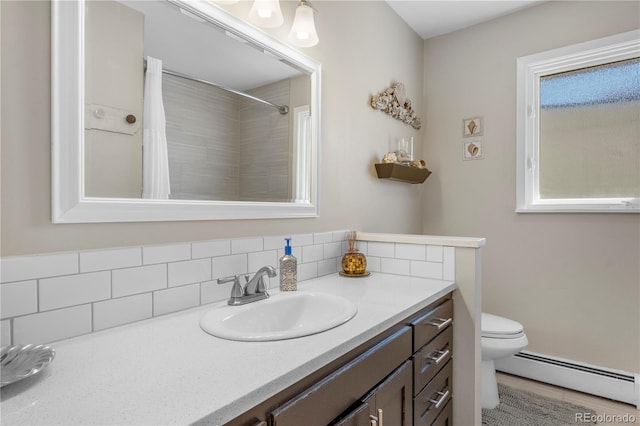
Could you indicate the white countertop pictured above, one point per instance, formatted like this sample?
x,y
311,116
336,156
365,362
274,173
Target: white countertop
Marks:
x,y
166,370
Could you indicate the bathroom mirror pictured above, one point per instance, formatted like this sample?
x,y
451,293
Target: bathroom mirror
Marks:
x,y
241,115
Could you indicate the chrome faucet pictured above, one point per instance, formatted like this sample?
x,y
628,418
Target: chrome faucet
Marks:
x,y
253,290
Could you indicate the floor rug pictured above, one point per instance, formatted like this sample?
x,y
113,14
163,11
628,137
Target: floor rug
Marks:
x,y
521,408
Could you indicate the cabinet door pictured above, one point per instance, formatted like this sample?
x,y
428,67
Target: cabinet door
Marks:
x,y
391,401
359,416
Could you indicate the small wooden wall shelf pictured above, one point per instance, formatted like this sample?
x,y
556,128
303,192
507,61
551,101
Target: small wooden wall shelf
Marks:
x,y
401,173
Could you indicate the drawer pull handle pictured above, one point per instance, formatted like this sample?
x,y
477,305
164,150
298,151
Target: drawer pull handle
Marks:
x,y
377,421
438,359
442,324
439,401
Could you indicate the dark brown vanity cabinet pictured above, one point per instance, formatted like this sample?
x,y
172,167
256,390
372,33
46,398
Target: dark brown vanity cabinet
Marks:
x,y
400,378
378,377
432,365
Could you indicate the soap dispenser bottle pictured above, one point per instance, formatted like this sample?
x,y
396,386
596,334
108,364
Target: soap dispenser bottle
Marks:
x,y
288,270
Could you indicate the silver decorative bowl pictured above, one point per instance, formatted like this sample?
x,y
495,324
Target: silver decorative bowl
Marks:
x,y
20,361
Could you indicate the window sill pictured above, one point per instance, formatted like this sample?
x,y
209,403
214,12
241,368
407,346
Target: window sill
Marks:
x,y
579,208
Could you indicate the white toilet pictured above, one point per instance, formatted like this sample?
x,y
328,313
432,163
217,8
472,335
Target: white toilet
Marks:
x,y
501,337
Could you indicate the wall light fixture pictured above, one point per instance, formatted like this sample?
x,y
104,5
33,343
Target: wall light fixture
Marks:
x,y
303,31
266,13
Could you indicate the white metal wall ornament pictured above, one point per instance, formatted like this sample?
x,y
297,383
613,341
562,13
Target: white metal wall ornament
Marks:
x,y
394,102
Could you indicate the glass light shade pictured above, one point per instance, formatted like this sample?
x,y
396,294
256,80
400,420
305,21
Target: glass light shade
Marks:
x,y
303,31
266,13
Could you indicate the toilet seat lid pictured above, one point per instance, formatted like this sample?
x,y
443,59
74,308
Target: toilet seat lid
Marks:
x,y
500,327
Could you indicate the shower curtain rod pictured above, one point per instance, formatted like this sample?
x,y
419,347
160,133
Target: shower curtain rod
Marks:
x,y
282,109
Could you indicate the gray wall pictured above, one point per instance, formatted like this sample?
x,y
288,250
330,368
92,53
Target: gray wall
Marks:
x,y
114,78
573,280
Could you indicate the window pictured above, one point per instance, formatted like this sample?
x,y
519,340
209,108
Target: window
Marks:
x,y
578,147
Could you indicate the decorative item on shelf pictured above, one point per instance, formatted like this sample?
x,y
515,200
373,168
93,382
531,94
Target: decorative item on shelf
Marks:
x,y
354,263
394,102
415,172
403,148
390,157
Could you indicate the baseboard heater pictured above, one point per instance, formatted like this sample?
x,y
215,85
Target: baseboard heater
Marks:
x,y
607,383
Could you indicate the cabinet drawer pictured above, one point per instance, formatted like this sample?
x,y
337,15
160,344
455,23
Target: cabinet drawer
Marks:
x,y
431,358
431,401
430,324
331,396
445,418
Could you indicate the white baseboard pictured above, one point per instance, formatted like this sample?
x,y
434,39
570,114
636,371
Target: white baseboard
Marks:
x,y
607,383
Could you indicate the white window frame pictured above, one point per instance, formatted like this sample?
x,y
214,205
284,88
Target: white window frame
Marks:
x,y
529,71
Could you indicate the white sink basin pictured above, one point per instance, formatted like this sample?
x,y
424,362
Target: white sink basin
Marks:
x,y
283,316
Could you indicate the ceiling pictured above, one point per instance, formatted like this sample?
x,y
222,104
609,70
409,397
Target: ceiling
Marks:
x,y
431,18
191,46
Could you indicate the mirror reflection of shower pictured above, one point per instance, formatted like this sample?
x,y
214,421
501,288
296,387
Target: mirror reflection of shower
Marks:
x,y
241,144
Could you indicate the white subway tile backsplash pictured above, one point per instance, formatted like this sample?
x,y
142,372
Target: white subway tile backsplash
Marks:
x,y
272,282
211,291
333,249
449,264
410,251
298,240
362,246
375,248
312,253
163,254
262,258
326,267
23,268
225,266
307,271
426,269
123,310
373,264
176,299
246,245
189,272
213,248
49,297
70,290
5,333
322,237
101,260
274,242
18,298
395,266
141,279
339,235
295,251
52,325
434,253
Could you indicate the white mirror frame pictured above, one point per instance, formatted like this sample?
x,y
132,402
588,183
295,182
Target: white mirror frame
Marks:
x,y
70,205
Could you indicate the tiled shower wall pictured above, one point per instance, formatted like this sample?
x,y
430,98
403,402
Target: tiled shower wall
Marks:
x,y
56,296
